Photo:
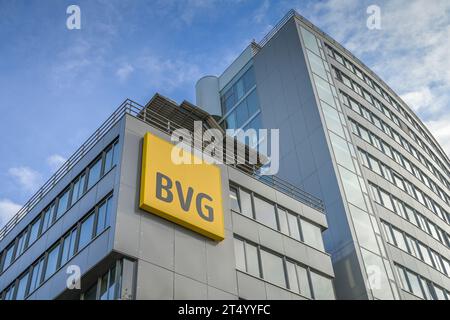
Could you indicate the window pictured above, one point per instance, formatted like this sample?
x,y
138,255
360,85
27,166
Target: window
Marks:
x,y
322,287
109,159
387,203
416,288
352,188
388,233
282,219
273,270
22,287
36,275
363,228
8,256
239,253
68,248
341,151
86,231
103,216
399,239
52,262
292,277
62,203
294,231
425,254
21,243
234,201
375,193
440,294
303,279
265,213
94,172
47,217
34,231
312,234
9,293
78,188
246,256
374,164
246,203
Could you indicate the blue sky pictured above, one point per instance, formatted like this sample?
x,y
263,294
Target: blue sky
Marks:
x,y
57,85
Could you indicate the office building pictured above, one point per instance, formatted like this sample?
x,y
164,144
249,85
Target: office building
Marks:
x,y
350,140
209,231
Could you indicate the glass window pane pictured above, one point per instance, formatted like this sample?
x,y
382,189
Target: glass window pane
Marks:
x,y
246,203
22,287
112,283
312,234
273,269
101,221
62,203
252,262
252,103
34,231
78,188
48,217
305,289
415,284
265,213
36,275
52,262
9,257
310,41
324,90
239,254
241,114
21,244
316,65
282,218
116,153
109,159
387,203
323,287
104,287
294,230
352,189
249,79
440,295
332,119
363,229
341,152
399,239
234,202
292,276
94,173
86,232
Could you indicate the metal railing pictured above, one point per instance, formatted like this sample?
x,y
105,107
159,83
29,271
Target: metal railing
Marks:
x,y
166,125
126,107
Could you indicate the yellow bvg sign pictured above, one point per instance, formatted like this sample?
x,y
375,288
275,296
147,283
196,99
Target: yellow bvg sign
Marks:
x,y
187,194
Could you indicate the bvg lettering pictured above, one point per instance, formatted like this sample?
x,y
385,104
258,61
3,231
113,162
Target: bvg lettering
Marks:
x,y
164,193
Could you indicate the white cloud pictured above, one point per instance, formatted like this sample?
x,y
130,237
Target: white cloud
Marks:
x,y
26,177
124,71
440,128
169,73
419,99
55,161
8,209
261,12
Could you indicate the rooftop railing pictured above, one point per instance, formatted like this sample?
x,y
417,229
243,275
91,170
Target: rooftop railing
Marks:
x,y
162,123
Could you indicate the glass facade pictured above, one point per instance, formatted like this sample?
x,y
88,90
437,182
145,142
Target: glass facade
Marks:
x,y
371,248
